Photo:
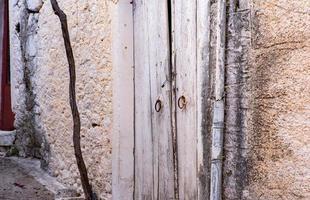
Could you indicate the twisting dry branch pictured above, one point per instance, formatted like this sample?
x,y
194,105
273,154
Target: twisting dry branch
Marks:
x,y
75,113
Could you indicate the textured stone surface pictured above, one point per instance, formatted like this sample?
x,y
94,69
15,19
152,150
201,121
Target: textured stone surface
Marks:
x,y
30,134
267,103
89,25
279,93
34,5
16,183
235,143
7,138
268,99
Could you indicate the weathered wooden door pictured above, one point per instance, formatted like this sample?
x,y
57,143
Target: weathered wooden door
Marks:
x,y
154,156
162,118
167,139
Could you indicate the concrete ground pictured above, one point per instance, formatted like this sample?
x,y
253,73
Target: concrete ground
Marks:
x,y
17,184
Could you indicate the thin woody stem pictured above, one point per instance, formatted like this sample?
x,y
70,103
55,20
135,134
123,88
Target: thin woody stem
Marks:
x,y
75,113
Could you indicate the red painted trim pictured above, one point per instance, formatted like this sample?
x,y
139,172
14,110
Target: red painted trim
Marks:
x,y
6,115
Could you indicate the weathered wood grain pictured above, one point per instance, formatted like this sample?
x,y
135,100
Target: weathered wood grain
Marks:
x,y
154,171
186,120
203,98
159,58
187,80
123,102
144,172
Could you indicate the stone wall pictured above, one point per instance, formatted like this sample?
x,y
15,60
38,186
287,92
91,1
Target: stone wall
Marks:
x,y
279,93
267,102
40,82
268,99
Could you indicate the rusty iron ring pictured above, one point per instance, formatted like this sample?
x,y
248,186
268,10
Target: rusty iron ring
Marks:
x,y
158,105
182,102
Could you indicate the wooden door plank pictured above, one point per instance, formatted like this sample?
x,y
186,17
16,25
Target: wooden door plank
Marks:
x,y
203,98
185,63
144,176
159,55
123,98
153,147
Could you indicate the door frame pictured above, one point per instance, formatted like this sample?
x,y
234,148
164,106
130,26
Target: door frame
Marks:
x,y
123,100
6,114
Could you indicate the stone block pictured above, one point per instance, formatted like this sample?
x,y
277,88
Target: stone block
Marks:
x,y
7,138
34,5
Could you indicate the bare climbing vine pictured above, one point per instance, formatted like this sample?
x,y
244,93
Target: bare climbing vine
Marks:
x,y
89,195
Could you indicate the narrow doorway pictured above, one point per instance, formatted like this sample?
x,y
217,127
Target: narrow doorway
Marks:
x,y
161,145
6,114
166,107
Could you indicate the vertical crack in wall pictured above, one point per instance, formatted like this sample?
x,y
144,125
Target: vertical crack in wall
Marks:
x,y
30,141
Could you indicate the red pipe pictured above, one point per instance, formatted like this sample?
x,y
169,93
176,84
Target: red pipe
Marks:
x,y
6,114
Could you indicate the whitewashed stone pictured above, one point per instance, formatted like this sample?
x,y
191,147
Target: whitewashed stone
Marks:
x,y
34,5
50,81
7,138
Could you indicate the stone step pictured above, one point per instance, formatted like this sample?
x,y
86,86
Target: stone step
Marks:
x,y
6,141
7,138
71,198
33,169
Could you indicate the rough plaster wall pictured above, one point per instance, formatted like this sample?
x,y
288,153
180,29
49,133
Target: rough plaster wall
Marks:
x,y
15,54
89,25
30,137
277,125
267,101
279,93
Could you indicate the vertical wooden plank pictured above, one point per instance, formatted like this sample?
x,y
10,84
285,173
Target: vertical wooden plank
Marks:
x,y
153,132
203,98
218,110
123,102
159,55
144,171
185,50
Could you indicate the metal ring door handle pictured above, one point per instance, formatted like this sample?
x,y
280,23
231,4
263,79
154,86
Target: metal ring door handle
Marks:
x,y
182,102
158,105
